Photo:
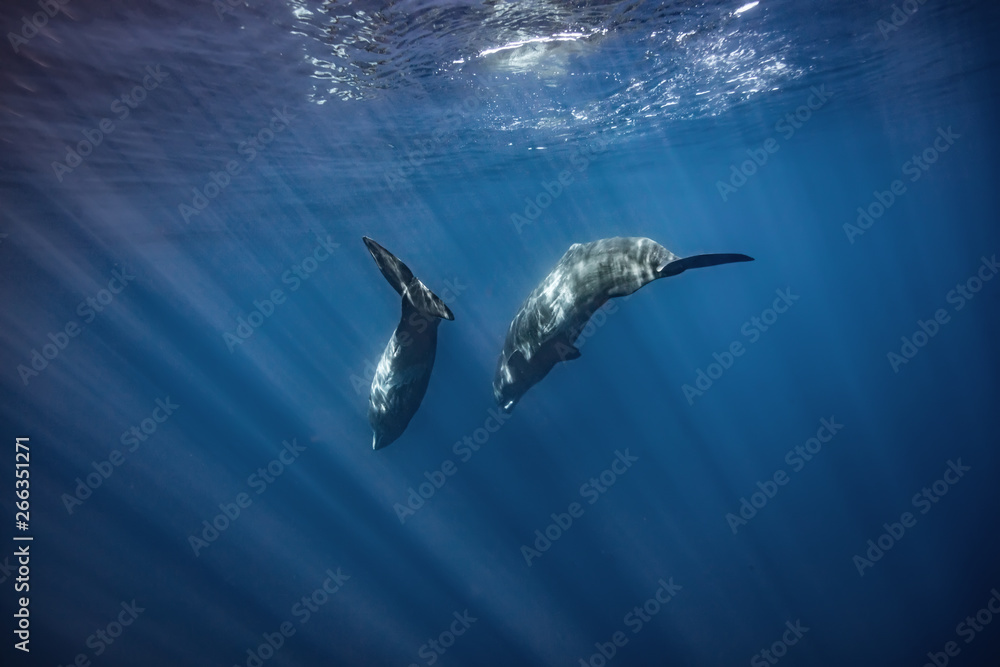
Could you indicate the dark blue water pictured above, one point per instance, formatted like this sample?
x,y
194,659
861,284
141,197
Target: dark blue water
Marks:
x,y
788,462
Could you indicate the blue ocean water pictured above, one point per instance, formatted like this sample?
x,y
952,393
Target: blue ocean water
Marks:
x,y
788,461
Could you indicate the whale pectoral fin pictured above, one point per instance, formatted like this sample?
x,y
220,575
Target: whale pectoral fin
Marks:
x,y
567,352
560,349
681,265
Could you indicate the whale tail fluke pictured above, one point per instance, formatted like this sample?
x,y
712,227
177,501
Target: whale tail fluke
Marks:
x,y
415,294
397,273
426,302
682,264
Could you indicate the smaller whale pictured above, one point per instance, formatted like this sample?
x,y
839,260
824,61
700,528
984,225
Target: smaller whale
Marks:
x,y
545,328
404,370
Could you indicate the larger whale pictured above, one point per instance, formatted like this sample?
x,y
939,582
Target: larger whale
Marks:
x,y
550,320
404,370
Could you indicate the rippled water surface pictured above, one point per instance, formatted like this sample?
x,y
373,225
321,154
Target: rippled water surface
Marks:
x,y
791,460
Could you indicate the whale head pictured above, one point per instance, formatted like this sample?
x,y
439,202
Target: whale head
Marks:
x,y
512,380
503,387
506,398
516,374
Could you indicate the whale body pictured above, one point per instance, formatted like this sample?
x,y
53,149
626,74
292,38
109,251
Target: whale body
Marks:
x,y
545,328
404,370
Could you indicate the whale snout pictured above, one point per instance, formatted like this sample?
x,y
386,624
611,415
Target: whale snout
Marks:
x,y
506,394
503,393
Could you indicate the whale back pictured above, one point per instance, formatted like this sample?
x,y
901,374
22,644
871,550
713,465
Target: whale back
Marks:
x,y
611,267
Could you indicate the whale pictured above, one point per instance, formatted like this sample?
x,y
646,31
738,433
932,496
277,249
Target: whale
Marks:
x,y
550,320
404,370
